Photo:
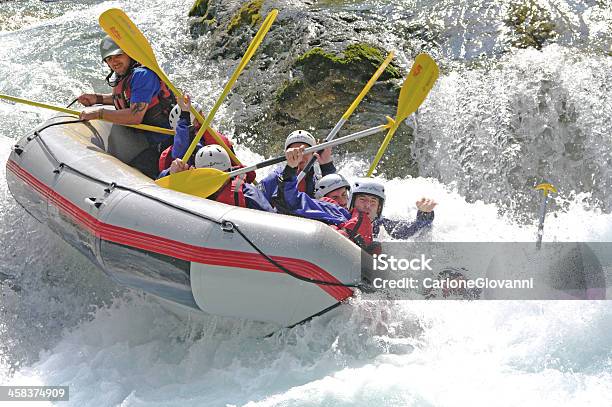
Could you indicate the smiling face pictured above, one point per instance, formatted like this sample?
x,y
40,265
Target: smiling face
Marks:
x,y
367,203
119,63
340,195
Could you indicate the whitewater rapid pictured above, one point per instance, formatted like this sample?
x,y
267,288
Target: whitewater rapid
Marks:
x,y
62,322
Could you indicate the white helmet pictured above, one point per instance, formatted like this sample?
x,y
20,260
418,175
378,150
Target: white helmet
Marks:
x,y
213,156
175,114
371,187
300,136
330,183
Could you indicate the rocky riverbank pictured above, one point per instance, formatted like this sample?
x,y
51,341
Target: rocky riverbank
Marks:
x,y
311,66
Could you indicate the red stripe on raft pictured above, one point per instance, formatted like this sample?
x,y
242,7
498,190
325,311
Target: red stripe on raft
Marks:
x,y
173,248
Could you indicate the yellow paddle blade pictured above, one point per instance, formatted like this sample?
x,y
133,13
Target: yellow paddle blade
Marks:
x,y
546,188
130,39
263,30
415,89
202,182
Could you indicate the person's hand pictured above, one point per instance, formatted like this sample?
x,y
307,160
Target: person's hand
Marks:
x,y
426,204
91,113
178,166
184,102
87,99
294,156
324,156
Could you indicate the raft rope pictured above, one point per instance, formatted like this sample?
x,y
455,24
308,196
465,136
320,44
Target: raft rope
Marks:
x,y
226,226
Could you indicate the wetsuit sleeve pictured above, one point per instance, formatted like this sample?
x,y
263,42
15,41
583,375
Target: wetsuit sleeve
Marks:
x,y
269,184
327,169
255,199
181,136
400,229
290,200
145,85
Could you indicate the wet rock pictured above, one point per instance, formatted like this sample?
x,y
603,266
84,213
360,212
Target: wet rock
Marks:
x,y
307,72
248,15
199,8
532,25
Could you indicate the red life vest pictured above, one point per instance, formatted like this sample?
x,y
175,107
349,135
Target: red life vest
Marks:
x,y
157,111
231,193
302,185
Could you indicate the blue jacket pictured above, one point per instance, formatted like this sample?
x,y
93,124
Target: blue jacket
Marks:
x,y
269,185
293,202
183,137
255,199
401,229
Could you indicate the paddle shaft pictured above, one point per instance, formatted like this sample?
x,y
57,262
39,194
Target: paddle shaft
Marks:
x,y
546,189
381,150
261,33
349,112
541,224
329,137
76,113
327,144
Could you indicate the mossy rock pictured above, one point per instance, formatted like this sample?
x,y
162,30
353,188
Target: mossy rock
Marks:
x,y
532,25
356,64
360,59
248,14
199,8
202,25
288,89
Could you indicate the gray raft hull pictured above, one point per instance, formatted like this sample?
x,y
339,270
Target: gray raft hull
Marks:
x,y
72,177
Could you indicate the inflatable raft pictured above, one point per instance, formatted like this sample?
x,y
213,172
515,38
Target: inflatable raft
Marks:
x,y
194,252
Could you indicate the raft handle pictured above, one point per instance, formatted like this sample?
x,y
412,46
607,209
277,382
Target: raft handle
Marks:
x,y
110,187
227,226
94,202
59,168
17,149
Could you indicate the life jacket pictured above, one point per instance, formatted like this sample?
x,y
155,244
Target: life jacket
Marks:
x,y
158,110
231,193
359,230
302,187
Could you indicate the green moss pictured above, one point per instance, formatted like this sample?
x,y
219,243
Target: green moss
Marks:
x,y
247,14
199,8
361,58
532,25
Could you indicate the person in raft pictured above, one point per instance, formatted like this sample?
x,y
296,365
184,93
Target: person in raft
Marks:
x,y
372,192
139,97
354,224
368,195
234,191
269,184
186,126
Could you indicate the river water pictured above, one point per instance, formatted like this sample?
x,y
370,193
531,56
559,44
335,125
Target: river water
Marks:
x,y
499,120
